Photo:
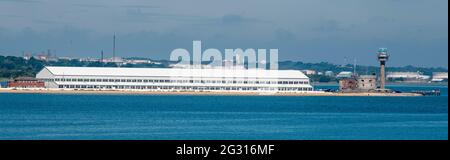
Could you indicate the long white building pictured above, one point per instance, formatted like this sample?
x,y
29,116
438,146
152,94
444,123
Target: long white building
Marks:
x,y
440,77
407,76
170,79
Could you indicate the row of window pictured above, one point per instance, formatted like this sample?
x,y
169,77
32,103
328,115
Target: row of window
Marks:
x,y
185,88
177,81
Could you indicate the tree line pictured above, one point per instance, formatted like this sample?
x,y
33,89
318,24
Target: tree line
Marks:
x,y
13,67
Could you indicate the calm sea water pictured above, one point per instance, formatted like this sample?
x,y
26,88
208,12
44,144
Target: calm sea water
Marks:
x,y
55,116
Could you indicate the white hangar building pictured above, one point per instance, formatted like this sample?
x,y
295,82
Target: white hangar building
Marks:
x,y
176,80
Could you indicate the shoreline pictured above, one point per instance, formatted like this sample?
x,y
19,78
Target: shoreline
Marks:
x,y
389,84
128,92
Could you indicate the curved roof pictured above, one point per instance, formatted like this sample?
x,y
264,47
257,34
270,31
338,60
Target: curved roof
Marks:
x,y
172,72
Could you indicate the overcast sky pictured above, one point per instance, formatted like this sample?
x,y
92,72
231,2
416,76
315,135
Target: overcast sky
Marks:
x,y
415,31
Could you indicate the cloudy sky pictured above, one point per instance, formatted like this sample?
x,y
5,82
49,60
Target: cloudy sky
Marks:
x,y
415,31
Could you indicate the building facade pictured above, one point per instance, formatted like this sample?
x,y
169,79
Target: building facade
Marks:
x,y
407,77
26,82
309,72
177,80
367,82
440,77
363,83
344,74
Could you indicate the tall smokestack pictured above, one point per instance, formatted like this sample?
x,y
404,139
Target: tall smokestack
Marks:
x,y
383,56
114,47
101,59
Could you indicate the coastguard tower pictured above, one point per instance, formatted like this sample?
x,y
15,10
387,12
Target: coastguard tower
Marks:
x,y
383,57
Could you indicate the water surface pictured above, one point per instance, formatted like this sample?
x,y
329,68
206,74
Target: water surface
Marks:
x,y
166,117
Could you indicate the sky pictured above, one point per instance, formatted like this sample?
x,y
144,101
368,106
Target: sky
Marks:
x,y
336,31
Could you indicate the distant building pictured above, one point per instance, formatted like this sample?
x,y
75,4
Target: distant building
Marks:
x,y
440,77
344,74
407,77
309,72
27,56
329,73
66,58
89,59
26,82
45,57
113,60
138,61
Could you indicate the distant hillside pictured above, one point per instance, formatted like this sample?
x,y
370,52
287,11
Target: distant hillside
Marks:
x,y
12,67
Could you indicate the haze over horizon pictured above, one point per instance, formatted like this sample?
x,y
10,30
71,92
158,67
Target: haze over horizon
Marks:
x,y
415,31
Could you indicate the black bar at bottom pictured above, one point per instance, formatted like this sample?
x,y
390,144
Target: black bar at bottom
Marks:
x,y
183,150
